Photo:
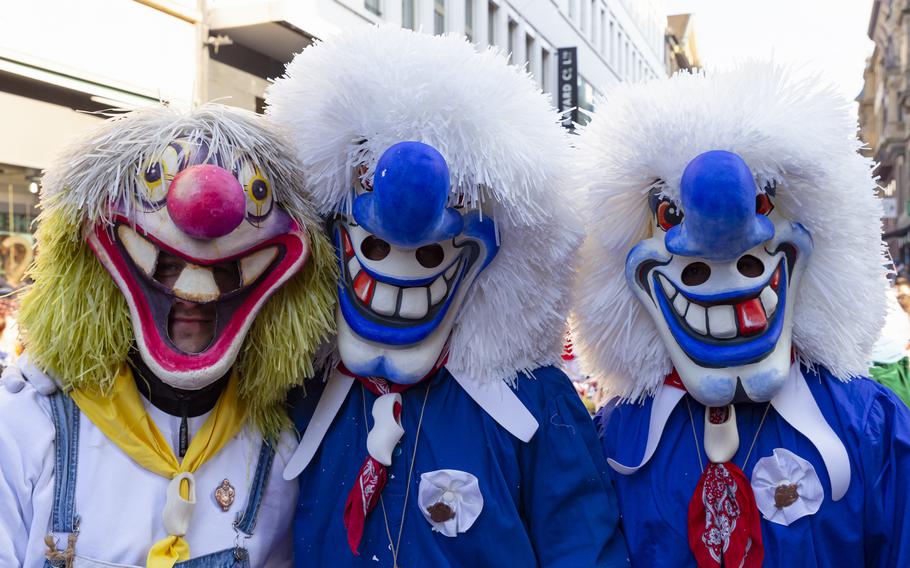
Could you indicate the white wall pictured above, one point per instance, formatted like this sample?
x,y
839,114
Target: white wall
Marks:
x,y
35,131
116,43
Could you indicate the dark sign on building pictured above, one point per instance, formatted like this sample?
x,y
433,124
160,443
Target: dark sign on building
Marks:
x,y
568,84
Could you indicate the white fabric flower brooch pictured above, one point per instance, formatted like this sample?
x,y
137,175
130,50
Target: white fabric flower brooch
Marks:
x,y
786,487
450,500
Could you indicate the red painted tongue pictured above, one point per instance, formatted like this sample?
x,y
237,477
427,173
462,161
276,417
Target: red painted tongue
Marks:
x,y
750,316
363,287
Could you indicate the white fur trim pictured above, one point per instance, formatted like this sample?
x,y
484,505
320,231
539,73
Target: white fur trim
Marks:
x,y
788,127
348,99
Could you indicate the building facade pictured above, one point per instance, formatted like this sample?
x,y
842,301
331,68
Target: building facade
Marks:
x,y
883,118
60,61
616,40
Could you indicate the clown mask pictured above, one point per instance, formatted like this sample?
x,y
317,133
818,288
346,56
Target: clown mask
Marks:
x,y
197,252
719,276
407,260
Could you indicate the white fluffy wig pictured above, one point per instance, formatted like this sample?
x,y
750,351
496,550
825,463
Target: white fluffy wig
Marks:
x,y
790,129
350,98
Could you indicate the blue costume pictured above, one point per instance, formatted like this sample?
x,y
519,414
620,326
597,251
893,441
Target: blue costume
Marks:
x,y
748,232
869,526
545,501
443,436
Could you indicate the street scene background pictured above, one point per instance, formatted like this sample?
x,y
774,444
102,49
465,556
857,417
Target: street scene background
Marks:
x,y
63,65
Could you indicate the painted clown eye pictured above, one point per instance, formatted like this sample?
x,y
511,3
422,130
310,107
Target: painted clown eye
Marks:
x,y
153,173
257,188
668,214
763,204
155,177
259,197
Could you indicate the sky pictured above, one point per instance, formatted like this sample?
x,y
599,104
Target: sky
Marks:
x,y
827,35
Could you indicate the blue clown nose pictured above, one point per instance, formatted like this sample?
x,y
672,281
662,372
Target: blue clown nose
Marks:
x,y
407,206
718,199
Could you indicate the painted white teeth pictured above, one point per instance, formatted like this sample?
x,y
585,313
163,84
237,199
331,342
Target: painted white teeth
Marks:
x,y
437,291
768,300
680,304
722,322
695,317
353,267
413,303
143,253
385,298
196,284
252,266
669,290
451,271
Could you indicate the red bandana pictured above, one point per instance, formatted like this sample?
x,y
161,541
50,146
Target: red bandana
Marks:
x,y
373,476
724,520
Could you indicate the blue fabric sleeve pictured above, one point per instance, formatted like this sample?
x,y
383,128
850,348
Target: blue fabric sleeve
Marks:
x,y
887,471
567,496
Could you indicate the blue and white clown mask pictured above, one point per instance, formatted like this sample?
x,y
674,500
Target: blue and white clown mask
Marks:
x,y
407,260
719,276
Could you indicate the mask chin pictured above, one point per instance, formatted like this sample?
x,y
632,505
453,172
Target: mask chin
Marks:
x,y
399,364
727,325
385,336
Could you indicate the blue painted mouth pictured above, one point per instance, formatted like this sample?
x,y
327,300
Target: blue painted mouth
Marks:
x,y
713,352
395,330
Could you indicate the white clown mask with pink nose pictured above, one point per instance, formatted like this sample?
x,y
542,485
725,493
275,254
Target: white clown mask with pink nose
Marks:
x,y
197,250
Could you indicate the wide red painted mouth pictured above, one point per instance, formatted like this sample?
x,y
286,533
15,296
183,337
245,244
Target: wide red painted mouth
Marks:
x,y
232,288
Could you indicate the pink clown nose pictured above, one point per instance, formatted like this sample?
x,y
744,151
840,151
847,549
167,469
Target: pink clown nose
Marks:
x,y
206,201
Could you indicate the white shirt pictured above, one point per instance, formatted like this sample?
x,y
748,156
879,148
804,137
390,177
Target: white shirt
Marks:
x,y
120,504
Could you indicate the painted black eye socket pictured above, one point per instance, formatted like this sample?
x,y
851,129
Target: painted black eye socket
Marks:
x,y
153,173
666,211
259,189
696,273
430,256
763,204
375,248
750,267
668,215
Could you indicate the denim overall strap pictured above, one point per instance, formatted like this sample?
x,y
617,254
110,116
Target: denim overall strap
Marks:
x,y
65,415
64,520
246,521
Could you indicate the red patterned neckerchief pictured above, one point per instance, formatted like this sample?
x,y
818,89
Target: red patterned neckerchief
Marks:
x,y
373,475
724,523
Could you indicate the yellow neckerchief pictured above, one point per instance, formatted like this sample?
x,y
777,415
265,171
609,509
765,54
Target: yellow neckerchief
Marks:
x,y
122,417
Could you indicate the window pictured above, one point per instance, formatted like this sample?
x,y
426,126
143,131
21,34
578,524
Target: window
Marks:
x,y
583,23
586,95
545,70
572,10
529,54
603,29
492,16
513,31
408,14
469,19
626,60
611,56
439,17
593,13
373,6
